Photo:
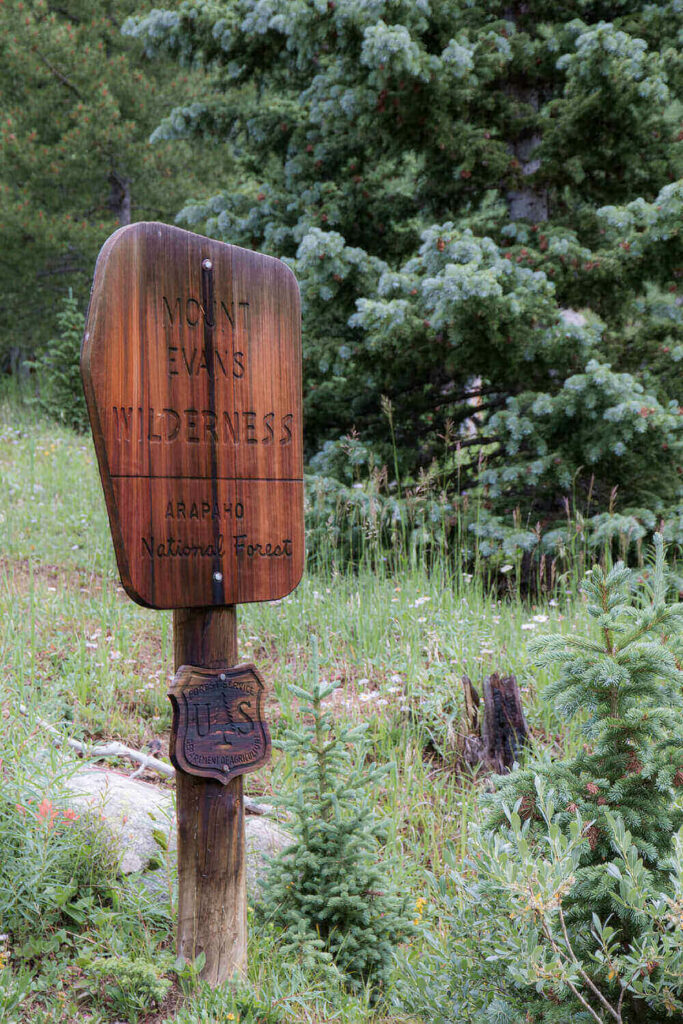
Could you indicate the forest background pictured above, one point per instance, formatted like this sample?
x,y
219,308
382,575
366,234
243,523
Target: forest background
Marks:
x,y
482,206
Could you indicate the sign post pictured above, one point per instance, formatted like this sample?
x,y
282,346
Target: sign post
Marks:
x,y
191,365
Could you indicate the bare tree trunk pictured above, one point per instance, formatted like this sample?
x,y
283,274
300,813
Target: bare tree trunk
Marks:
x,y
119,197
525,203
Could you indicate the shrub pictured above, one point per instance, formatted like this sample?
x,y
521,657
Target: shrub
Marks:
x,y
130,985
235,1002
573,893
54,866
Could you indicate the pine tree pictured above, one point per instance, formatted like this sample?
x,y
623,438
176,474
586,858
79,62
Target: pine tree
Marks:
x,y
625,686
481,204
60,391
78,103
330,890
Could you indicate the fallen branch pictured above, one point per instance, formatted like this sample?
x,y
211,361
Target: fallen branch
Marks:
x,y
116,749
108,750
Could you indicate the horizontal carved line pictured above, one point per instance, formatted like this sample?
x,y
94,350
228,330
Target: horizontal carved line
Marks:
x,y
183,476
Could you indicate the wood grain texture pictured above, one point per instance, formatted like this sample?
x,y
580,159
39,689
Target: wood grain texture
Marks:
x,y
212,894
218,729
191,364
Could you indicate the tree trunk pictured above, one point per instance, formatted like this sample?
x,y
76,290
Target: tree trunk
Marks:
x,y
119,197
525,203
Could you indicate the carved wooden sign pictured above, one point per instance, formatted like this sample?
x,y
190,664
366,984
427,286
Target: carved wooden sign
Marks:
x,y
191,365
218,726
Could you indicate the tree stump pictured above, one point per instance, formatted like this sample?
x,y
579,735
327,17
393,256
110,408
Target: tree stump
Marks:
x,y
496,732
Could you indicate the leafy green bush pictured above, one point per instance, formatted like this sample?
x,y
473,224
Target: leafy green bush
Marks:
x,y
59,379
514,953
329,890
15,988
573,893
130,986
55,867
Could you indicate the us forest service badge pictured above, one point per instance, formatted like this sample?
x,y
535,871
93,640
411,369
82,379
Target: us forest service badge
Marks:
x,y
218,728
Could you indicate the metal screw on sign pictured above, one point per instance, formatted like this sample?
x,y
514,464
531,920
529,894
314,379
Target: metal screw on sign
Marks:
x,y
191,366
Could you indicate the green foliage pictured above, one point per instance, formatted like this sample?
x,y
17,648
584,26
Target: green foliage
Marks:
x,y
130,986
15,987
60,391
215,1006
576,875
329,890
480,203
56,868
78,104
61,901
514,951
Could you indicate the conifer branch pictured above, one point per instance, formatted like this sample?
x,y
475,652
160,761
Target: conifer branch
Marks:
x,y
59,75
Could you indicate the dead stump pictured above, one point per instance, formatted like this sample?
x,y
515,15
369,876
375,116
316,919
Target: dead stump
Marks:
x,y
496,727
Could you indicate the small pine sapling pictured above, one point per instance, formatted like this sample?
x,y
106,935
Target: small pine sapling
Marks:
x,y
61,391
330,890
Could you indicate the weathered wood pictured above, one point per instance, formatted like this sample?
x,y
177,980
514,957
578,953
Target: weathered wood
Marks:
x,y
496,733
191,365
212,902
471,746
219,730
471,704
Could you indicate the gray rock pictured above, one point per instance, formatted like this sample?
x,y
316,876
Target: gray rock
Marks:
x,y
264,840
133,811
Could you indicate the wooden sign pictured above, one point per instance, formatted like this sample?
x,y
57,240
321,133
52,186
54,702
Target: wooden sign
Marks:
x,y
218,728
191,365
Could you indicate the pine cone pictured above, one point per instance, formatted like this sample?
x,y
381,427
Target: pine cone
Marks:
x,y
678,778
592,788
593,833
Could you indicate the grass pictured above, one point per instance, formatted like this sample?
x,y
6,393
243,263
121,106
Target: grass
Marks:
x,y
74,649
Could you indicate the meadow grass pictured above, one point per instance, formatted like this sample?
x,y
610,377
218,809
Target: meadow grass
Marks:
x,y
75,651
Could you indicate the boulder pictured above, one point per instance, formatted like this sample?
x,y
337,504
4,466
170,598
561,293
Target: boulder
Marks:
x,y
134,811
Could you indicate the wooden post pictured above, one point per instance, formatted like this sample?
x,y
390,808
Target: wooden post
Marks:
x,y
191,365
212,904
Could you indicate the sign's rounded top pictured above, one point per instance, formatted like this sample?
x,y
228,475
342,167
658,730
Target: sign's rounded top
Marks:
x,y
191,364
